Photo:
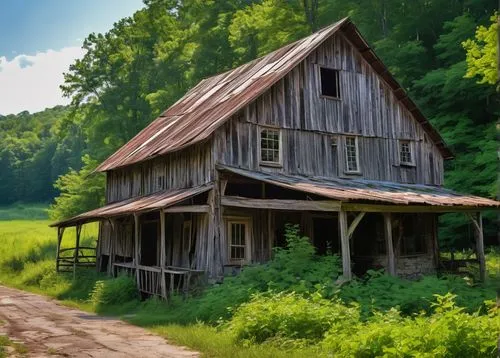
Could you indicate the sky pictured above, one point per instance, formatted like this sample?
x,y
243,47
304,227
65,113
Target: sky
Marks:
x,y
39,39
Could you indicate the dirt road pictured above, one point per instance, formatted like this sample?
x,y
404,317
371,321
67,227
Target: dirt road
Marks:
x,y
49,329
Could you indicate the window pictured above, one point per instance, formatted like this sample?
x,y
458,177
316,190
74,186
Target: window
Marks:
x,y
270,146
405,152
330,84
239,241
351,155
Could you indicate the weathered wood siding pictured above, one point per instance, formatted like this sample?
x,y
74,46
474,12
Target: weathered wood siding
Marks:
x,y
309,122
190,167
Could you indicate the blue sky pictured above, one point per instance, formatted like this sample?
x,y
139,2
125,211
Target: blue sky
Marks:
x,y
38,41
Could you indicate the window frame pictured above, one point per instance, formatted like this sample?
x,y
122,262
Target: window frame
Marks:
x,y
247,221
279,163
346,161
412,152
320,89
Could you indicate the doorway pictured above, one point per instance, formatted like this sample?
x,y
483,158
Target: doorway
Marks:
x,y
149,243
326,235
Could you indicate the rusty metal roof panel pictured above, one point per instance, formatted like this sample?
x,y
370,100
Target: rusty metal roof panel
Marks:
x,y
369,190
155,201
194,117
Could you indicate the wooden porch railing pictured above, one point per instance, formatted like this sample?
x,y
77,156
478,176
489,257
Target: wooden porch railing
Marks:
x,y
70,258
155,281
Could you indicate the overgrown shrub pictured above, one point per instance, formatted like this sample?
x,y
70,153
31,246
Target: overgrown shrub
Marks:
x,y
113,292
381,292
294,268
289,316
448,332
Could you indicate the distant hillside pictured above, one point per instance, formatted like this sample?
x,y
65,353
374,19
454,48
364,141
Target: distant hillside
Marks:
x,y
34,150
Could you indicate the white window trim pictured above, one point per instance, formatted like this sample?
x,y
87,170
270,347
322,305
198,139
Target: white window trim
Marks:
x,y
247,221
318,72
280,149
412,152
346,164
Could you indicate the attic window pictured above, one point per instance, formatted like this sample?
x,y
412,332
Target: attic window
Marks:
x,y
330,83
406,152
270,146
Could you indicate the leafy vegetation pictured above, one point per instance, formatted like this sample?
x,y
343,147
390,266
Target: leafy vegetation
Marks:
x,y
291,306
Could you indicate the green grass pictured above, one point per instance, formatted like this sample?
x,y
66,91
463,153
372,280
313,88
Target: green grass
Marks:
x,y
27,252
21,211
17,347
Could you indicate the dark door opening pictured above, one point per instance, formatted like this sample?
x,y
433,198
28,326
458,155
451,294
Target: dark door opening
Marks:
x,y
326,235
149,243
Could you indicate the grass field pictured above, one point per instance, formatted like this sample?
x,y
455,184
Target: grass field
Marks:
x,y
27,253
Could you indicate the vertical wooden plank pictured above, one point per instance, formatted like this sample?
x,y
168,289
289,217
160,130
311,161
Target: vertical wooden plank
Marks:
x,y
162,255
480,245
136,249
391,262
344,243
77,248
60,233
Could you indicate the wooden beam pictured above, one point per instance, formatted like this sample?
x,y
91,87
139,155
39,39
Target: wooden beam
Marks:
x,y
477,220
187,209
163,257
355,224
278,204
344,244
60,233
391,261
136,249
77,248
374,208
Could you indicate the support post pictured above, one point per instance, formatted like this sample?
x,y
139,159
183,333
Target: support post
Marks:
x,y
60,233
391,262
112,247
344,243
136,249
477,220
163,258
77,248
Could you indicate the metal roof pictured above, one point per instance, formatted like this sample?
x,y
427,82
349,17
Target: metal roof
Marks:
x,y
209,104
368,190
155,201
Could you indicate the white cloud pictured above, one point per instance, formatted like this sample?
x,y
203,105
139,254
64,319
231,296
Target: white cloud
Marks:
x,y
31,83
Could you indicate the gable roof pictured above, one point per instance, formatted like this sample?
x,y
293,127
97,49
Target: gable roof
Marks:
x,y
209,104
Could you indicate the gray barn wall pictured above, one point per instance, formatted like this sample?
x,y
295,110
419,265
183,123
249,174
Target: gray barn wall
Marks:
x,y
186,168
309,123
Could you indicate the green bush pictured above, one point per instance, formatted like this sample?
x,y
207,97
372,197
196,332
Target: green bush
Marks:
x,y
378,291
448,332
289,316
114,291
295,268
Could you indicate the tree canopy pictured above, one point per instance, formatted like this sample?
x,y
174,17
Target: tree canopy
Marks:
x,y
148,60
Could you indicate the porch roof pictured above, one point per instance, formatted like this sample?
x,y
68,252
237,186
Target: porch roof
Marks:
x,y
151,202
381,192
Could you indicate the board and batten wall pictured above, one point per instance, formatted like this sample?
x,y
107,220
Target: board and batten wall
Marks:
x,y
190,167
313,127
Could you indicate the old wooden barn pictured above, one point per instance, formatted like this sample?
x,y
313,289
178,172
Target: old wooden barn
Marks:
x,y
317,133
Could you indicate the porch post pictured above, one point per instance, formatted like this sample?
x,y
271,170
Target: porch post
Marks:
x,y
391,264
60,233
77,248
111,260
136,249
478,234
344,243
162,255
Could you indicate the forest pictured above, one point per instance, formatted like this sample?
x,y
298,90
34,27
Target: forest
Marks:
x,y
442,52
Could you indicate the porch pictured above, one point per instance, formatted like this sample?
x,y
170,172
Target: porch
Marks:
x,y
369,224
159,239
